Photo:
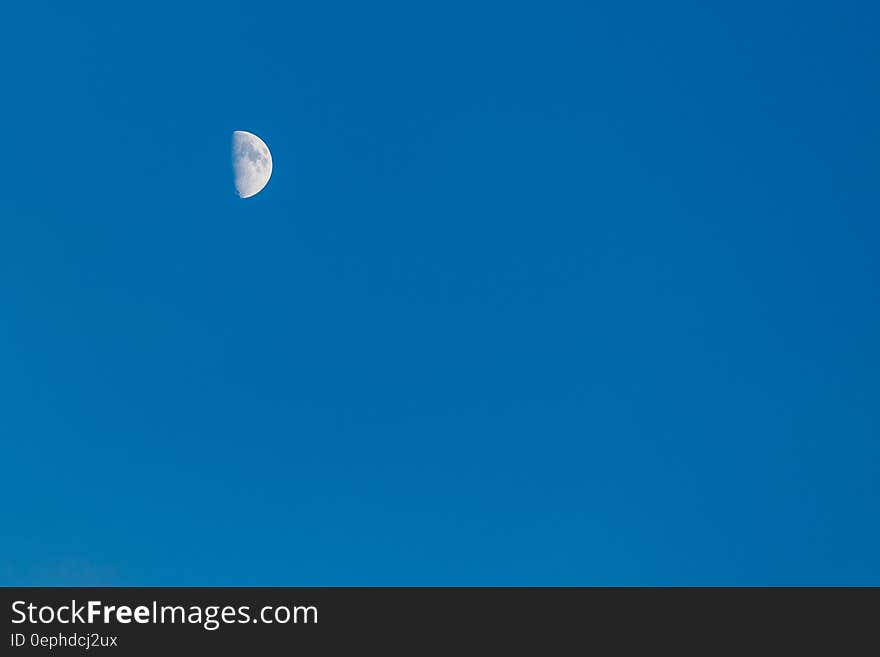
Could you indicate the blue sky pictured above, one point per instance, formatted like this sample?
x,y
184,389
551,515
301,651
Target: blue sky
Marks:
x,y
548,293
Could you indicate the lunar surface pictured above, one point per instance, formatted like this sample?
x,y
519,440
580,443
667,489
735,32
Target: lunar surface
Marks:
x,y
251,162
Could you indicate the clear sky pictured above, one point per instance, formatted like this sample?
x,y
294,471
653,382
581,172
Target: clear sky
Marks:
x,y
546,293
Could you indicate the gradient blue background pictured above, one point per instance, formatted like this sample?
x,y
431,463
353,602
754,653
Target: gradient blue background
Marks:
x,y
557,293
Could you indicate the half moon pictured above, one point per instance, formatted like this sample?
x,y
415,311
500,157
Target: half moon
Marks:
x,y
251,162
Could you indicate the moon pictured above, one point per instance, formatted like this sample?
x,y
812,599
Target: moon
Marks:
x,y
251,163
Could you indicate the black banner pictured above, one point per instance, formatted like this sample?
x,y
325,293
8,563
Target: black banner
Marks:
x,y
316,621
